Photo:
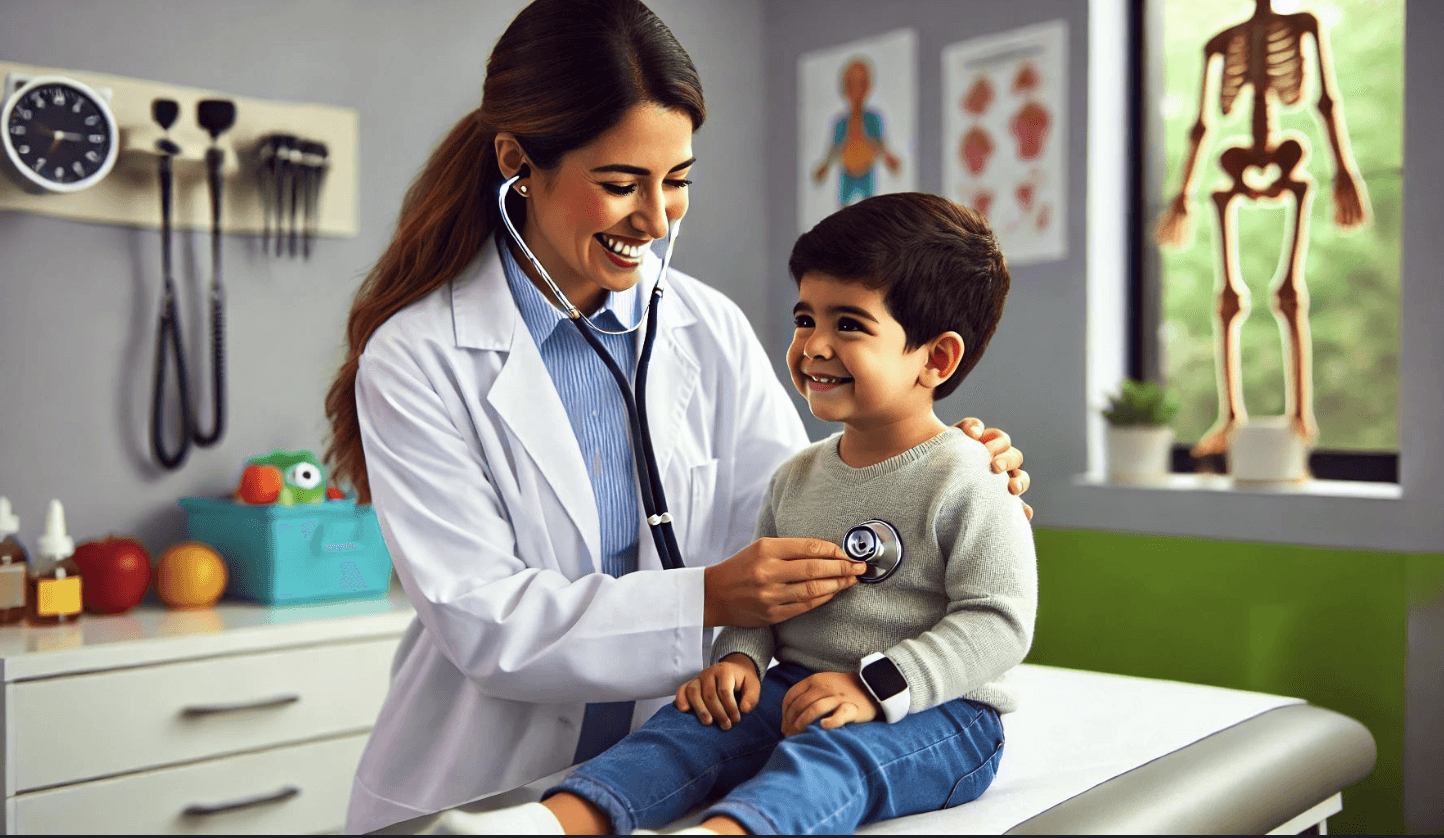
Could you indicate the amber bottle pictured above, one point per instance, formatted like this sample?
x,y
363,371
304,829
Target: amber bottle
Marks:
x,y
53,585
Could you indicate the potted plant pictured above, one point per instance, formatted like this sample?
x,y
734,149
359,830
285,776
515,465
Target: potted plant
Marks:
x,y
1139,441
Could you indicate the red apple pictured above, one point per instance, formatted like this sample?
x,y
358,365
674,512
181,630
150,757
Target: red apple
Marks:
x,y
114,574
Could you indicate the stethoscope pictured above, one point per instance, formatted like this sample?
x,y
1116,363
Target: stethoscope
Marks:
x,y
876,544
649,478
215,115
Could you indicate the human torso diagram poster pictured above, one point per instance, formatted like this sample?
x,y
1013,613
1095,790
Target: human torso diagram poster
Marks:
x,y
857,123
1004,114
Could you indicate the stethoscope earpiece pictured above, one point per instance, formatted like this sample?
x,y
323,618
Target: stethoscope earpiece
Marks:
x,y
877,544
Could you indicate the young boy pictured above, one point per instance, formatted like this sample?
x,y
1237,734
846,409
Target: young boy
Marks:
x,y
905,678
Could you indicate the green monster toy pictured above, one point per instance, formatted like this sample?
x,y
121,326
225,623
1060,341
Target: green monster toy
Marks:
x,y
283,477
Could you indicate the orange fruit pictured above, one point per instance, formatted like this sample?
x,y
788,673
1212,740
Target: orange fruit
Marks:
x,y
190,574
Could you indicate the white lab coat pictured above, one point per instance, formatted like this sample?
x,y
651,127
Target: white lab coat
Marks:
x,y
486,508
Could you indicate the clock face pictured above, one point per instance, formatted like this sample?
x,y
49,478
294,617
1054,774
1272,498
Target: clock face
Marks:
x,y
61,136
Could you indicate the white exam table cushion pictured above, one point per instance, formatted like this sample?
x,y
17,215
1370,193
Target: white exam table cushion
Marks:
x,y
1092,752
1101,753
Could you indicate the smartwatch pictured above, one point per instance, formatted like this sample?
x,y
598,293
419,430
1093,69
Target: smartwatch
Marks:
x,y
887,684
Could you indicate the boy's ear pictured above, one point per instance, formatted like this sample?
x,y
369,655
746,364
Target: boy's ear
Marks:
x,y
945,353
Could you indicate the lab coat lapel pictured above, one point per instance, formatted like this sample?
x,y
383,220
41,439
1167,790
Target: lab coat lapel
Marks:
x,y
672,376
524,398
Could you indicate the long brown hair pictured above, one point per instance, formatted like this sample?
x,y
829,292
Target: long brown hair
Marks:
x,y
563,73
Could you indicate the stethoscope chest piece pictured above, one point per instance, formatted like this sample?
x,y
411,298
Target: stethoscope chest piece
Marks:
x,y
878,545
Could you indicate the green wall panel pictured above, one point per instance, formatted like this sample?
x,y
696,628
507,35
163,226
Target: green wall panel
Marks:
x,y
1328,626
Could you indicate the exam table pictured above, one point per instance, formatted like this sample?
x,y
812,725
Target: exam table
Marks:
x,y
1090,752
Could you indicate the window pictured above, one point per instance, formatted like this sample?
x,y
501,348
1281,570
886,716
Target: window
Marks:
x,y
1351,277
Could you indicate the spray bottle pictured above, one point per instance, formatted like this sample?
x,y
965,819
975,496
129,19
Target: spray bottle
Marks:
x,y
13,559
54,582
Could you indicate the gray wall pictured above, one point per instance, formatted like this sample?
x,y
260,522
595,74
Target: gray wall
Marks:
x,y
1048,293
79,302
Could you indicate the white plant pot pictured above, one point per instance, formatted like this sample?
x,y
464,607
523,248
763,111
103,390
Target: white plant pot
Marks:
x,y
1139,453
1266,450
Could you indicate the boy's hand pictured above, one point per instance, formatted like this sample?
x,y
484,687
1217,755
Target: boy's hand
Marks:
x,y
713,693
839,693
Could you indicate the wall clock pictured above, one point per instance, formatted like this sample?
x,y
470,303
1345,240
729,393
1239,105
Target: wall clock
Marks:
x,y
59,134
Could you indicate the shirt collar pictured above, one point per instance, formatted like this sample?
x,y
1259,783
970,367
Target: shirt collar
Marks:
x,y
620,309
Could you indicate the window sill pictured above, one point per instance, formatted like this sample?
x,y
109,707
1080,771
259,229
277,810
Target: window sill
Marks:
x,y
1224,483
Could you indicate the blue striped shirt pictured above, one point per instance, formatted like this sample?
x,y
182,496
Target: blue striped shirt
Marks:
x,y
595,409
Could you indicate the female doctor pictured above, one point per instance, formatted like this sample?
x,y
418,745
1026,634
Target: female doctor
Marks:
x,y
494,444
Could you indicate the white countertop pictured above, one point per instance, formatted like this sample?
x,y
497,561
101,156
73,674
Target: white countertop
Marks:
x,y
151,633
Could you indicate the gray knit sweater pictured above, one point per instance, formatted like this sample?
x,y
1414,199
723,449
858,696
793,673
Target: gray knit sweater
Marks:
x,y
955,616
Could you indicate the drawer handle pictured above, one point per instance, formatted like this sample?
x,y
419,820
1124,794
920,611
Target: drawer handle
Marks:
x,y
200,810
237,706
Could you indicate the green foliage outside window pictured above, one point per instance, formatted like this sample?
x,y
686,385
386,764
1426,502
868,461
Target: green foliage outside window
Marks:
x,y
1352,278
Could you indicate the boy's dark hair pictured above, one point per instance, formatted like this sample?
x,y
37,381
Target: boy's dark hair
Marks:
x,y
939,262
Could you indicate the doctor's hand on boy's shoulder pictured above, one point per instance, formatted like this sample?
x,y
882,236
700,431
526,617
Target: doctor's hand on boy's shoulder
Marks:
x,y
713,694
775,579
1005,457
840,694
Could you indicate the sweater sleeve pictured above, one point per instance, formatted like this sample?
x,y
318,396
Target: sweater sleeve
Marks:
x,y
757,643
992,587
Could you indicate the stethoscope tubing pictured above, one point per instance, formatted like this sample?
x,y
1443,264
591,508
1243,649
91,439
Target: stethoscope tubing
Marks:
x,y
649,480
644,363
169,342
214,159
654,500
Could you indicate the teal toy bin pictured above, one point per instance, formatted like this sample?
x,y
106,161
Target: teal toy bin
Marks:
x,y
285,555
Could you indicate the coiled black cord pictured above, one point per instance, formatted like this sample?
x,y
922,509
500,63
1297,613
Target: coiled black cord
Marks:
x,y
205,439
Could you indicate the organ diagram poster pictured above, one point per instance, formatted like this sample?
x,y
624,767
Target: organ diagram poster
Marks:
x,y
1004,116
857,123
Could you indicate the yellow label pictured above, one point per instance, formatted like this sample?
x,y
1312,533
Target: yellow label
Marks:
x,y
57,596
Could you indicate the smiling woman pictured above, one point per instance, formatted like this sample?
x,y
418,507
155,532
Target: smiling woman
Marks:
x,y
592,216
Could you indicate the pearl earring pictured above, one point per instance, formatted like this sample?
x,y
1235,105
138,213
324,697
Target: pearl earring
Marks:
x,y
521,187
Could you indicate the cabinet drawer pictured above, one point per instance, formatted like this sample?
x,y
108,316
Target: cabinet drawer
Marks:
x,y
82,727
247,793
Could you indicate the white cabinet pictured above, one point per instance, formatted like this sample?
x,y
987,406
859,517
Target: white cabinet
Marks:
x,y
238,719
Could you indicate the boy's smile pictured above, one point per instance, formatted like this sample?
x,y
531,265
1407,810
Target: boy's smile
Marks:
x,y
848,356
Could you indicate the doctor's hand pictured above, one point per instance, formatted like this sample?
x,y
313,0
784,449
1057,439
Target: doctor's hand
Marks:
x,y
774,579
840,694
1005,456
713,693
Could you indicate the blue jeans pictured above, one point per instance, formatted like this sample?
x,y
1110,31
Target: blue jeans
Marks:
x,y
819,781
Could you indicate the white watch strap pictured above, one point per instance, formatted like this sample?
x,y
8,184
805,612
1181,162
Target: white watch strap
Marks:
x,y
894,708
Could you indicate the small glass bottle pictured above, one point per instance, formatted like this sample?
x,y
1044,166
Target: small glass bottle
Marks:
x,y
53,587
13,566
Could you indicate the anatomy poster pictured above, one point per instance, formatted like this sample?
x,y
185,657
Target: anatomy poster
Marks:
x,y
1004,116
857,123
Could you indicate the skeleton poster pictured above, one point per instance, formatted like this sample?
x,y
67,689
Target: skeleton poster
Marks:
x,y
1004,121
857,123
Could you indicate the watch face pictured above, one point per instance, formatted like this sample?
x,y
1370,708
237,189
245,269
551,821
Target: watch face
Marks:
x,y
883,677
59,134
